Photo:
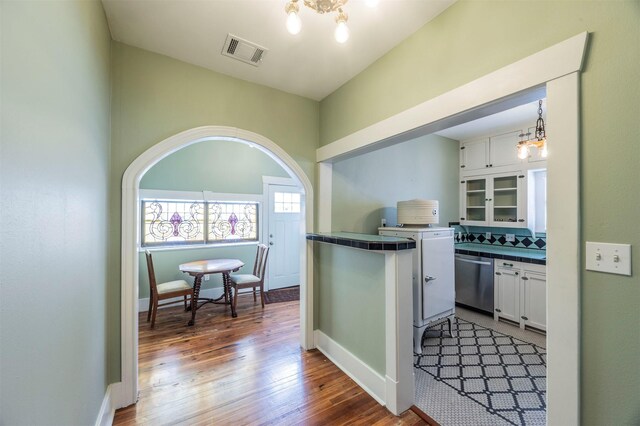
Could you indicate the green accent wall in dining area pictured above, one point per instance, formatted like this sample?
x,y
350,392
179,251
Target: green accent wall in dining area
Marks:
x,y
473,38
219,166
54,180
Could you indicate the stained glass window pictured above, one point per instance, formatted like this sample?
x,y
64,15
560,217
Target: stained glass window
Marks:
x,y
173,222
233,221
198,222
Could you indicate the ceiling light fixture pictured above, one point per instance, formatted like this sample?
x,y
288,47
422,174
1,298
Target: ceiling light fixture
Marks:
x,y
294,25
540,140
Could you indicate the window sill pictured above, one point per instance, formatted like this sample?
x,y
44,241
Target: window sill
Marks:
x,y
196,246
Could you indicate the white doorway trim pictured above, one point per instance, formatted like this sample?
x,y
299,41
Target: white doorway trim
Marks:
x,y
128,387
554,70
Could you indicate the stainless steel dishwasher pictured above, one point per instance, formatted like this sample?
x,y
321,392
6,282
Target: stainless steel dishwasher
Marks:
x,y
474,282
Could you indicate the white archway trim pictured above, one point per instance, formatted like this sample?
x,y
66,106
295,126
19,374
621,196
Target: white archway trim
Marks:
x,y
128,387
557,69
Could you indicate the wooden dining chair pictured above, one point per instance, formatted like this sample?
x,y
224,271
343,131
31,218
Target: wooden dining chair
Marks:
x,y
255,280
168,290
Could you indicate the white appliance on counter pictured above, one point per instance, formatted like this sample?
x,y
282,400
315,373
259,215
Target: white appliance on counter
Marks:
x,y
433,276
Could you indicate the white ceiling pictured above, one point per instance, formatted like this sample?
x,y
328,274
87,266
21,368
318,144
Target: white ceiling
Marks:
x,y
518,118
310,64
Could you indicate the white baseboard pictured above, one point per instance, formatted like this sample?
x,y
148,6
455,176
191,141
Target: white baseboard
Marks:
x,y
109,405
371,381
210,293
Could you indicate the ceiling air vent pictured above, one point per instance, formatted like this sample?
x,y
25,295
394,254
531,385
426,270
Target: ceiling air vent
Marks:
x,y
243,50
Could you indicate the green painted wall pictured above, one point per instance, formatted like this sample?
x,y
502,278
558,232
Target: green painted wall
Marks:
x,y
155,97
217,166
54,172
366,188
473,38
349,289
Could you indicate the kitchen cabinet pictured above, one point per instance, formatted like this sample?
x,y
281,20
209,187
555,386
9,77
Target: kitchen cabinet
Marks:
x,y
494,200
490,154
520,291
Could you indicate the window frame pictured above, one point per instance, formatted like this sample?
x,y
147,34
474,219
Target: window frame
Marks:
x,y
204,197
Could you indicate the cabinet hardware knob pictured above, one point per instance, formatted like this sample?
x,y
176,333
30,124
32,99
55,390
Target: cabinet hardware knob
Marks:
x,y
490,165
525,278
271,243
520,220
517,273
462,167
486,165
462,181
498,273
507,264
462,147
521,176
524,318
498,310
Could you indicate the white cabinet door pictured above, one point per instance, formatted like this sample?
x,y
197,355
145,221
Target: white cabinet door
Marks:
x,y
474,155
474,199
503,150
534,300
507,294
507,200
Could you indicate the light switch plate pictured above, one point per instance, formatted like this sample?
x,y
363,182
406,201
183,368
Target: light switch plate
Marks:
x,y
607,257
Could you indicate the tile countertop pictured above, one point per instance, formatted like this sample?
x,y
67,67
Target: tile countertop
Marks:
x,y
363,241
509,253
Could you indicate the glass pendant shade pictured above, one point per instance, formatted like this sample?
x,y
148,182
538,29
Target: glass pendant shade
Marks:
x,y
294,24
523,151
543,149
342,32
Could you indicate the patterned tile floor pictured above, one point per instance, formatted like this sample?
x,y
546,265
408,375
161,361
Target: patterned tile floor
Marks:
x,y
486,374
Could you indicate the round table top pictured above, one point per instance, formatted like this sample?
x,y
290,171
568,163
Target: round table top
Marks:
x,y
211,266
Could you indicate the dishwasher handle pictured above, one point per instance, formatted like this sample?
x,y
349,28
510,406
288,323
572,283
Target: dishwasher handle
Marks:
x,y
475,262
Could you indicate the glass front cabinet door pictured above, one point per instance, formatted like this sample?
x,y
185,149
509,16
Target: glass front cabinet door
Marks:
x,y
494,200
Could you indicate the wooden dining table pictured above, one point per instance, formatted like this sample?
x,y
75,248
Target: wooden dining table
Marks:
x,y
198,269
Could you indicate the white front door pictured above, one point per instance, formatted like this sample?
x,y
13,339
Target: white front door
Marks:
x,y
284,235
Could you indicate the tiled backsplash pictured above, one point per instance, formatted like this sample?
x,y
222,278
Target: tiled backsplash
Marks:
x,y
523,237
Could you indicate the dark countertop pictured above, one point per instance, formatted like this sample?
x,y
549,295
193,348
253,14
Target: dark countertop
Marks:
x,y
538,257
363,241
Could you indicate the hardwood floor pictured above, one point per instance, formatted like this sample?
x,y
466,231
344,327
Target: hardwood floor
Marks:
x,y
248,370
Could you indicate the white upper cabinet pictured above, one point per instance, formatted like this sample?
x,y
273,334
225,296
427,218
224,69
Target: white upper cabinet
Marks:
x,y
474,155
491,154
503,151
498,153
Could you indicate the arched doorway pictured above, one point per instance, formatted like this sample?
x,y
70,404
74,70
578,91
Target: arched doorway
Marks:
x,y
131,236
